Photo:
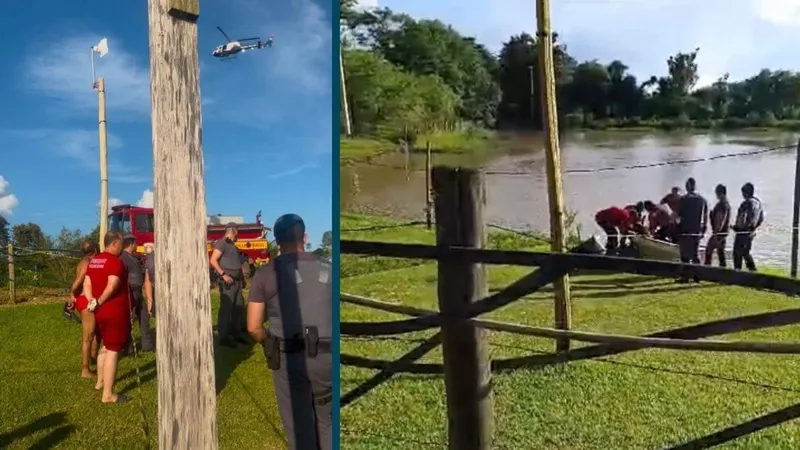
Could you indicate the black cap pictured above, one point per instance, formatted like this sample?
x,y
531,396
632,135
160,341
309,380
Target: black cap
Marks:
x,y
231,225
285,226
129,236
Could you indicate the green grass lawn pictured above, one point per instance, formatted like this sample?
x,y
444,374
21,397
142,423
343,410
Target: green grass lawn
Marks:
x,y
45,404
360,148
647,399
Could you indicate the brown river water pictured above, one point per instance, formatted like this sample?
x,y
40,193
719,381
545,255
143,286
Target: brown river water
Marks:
x,y
520,201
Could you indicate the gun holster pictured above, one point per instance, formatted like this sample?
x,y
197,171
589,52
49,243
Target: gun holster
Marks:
x,y
311,335
272,352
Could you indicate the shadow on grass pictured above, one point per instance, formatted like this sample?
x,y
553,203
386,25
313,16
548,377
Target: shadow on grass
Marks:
x,y
598,292
735,432
227,360
50,440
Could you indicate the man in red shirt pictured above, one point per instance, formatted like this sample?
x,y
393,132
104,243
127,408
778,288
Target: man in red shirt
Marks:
x,y
660,221
106,288
615,221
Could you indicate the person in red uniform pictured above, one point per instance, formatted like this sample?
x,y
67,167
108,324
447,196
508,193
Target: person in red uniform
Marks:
x,y
661,224
78,301
106,288
615,221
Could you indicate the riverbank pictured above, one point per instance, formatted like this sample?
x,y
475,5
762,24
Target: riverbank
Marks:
x,y
641,399
471,141
733,124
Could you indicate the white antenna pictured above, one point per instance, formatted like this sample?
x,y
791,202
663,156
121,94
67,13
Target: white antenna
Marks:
x,y
101,49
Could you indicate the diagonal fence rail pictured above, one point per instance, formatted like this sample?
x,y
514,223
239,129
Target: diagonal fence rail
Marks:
x,y
466,371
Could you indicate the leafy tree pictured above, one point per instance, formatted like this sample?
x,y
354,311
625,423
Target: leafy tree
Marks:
x,y
69,239
5,234
325,248
29,235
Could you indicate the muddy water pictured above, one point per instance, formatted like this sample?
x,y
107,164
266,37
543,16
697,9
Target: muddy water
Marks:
x,y
521,201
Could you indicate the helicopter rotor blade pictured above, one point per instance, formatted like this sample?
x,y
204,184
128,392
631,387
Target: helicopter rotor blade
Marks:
x,y
224,34
249,39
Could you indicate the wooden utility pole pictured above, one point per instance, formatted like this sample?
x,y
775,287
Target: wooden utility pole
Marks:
x,y
12,289
460,197
100,85
554,187
187,408
348,129
428,197
532,93
796,213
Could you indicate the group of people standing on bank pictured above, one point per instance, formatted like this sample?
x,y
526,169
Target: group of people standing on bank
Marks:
x,y
684,219
292,292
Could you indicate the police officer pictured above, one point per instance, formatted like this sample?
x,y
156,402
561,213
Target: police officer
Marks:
x,y
135,283
227,262
294,290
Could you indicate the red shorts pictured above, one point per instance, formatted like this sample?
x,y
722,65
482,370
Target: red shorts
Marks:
x,y
113,328
81,303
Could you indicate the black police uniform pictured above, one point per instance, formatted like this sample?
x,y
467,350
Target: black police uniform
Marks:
x,y
296,288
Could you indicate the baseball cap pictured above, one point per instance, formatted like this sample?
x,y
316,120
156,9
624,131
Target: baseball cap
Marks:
x,y
231,225
285,225
129,236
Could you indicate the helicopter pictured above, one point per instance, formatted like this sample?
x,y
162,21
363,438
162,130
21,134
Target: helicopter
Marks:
x,y
231,48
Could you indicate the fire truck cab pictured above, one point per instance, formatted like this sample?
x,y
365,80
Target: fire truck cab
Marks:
x,y
138,221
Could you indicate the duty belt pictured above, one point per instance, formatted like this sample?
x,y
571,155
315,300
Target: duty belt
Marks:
x,y
299,345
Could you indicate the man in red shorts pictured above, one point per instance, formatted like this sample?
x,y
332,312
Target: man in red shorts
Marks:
x,y
106,288
90,249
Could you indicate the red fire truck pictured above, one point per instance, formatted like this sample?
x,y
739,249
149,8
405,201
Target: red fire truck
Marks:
x,y
138,221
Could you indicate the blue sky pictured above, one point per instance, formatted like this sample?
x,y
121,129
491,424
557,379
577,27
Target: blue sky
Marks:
x,y
266,115
735,36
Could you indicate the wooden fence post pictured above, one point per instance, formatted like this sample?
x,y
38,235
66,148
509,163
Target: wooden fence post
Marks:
x,y
459,198
187,399
428,199
12,289
796,212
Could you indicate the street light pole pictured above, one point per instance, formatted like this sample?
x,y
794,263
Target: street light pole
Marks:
x,y
99,85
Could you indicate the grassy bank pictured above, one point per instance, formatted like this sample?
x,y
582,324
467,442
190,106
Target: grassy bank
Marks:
x,y
471,141
576,122
45,404
636,400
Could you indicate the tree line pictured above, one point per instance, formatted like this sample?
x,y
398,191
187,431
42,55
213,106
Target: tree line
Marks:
x,y
30,236
407,75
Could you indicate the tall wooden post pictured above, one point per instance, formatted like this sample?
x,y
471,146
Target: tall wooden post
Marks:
x,y
554,187
796,212
103,150
348,130
459,200
428,199
12,288
187,409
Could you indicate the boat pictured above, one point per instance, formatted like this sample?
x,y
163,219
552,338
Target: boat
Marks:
x,y
649,248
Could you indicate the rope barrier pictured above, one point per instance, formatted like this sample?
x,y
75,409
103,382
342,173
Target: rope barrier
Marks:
x,y
605,169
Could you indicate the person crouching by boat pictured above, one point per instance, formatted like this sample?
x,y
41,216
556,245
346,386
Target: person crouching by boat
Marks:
x,y
672,199
616,223
720,219
660,222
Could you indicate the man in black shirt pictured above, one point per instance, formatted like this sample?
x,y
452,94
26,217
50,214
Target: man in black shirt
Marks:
x,y
692,216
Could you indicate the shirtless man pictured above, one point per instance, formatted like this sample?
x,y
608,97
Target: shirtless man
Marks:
x,y
78,301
